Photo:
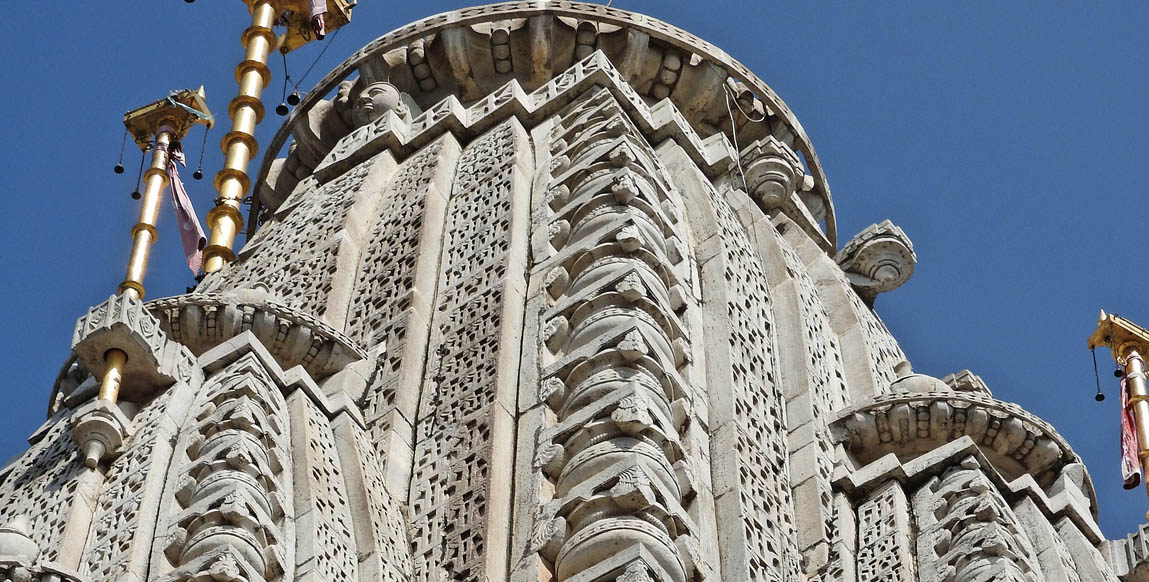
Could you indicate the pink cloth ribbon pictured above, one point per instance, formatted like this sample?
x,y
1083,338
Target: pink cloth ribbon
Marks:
x,y
191,232
318,23
1130,461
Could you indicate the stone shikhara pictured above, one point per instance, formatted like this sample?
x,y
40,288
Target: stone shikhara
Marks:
x,y
543,292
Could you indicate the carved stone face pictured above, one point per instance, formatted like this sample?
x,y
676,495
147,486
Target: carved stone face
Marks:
x,y
375,100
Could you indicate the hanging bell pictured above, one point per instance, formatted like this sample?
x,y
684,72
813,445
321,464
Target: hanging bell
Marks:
x,y
1118,373
136,195
1100,397
198,174
119,169
281,109
294,98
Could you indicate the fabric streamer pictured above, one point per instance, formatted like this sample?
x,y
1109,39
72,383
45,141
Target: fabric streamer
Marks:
x,y
318,24
191,232
1130,462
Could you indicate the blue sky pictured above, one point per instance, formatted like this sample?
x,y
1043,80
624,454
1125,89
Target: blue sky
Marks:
x,y
1009,140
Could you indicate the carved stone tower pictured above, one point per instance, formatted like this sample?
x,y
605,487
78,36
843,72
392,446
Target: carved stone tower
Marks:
x,y
542,292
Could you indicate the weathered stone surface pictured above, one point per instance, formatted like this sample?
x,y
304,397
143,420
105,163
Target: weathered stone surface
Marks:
x,y
517,307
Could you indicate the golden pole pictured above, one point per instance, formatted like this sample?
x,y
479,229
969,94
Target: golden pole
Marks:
x,y
239,145
144,232
1139,403
115,359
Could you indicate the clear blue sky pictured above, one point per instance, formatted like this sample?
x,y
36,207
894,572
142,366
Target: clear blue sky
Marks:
x,y
1010,141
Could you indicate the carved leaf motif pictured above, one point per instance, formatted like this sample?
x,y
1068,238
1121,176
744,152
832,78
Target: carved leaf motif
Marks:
x,y
636,572
631,287
557,281
225,569
632,414
633,346
633,490
630,238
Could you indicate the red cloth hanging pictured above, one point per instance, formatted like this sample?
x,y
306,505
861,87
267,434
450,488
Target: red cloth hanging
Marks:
x,y
191,232
1130,461
318,23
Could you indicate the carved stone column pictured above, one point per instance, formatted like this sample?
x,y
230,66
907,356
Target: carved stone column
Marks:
x,y
614,345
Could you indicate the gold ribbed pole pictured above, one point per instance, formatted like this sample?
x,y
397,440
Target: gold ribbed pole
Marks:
x,y
110,387
1139,403
239,145
144,232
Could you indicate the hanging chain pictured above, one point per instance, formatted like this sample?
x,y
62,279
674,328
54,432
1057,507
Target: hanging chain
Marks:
x,y
1097,377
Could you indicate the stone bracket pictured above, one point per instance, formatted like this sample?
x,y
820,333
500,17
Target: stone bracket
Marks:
x,y
121,322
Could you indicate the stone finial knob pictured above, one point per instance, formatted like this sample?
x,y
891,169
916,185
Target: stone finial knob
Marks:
x,y
100,431
881,258
773,172
16,539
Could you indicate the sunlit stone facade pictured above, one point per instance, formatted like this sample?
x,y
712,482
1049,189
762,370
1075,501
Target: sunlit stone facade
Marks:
x,y
543,292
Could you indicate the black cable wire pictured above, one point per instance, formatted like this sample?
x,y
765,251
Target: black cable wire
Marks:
x,y
286,77
140,174
119,169
1097,377
326,46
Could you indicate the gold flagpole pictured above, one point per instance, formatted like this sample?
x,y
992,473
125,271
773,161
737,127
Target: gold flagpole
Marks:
x,y
246,111
153,126
1129,343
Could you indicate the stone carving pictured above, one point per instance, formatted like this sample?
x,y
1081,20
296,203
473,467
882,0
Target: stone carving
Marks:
x,y
513,314
610,370
881,258
966,532
124,515
759,452
231,495
200,321
40,484
375,100
884,542
966,381
653,54
123,323
459,493
100,431
910,424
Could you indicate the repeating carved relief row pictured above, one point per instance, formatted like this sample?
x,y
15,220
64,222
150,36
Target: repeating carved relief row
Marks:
x,y
967,533
614,349
40,484
460,486
823,390
232,490
125,514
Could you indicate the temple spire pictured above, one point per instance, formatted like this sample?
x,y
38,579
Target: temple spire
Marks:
x,y
305,20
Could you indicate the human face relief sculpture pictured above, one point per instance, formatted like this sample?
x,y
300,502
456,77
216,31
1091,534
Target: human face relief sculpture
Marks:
x,y
375,100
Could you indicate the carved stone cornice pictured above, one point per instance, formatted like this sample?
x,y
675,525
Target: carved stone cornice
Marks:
x,y
471,60
908,425
202,321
